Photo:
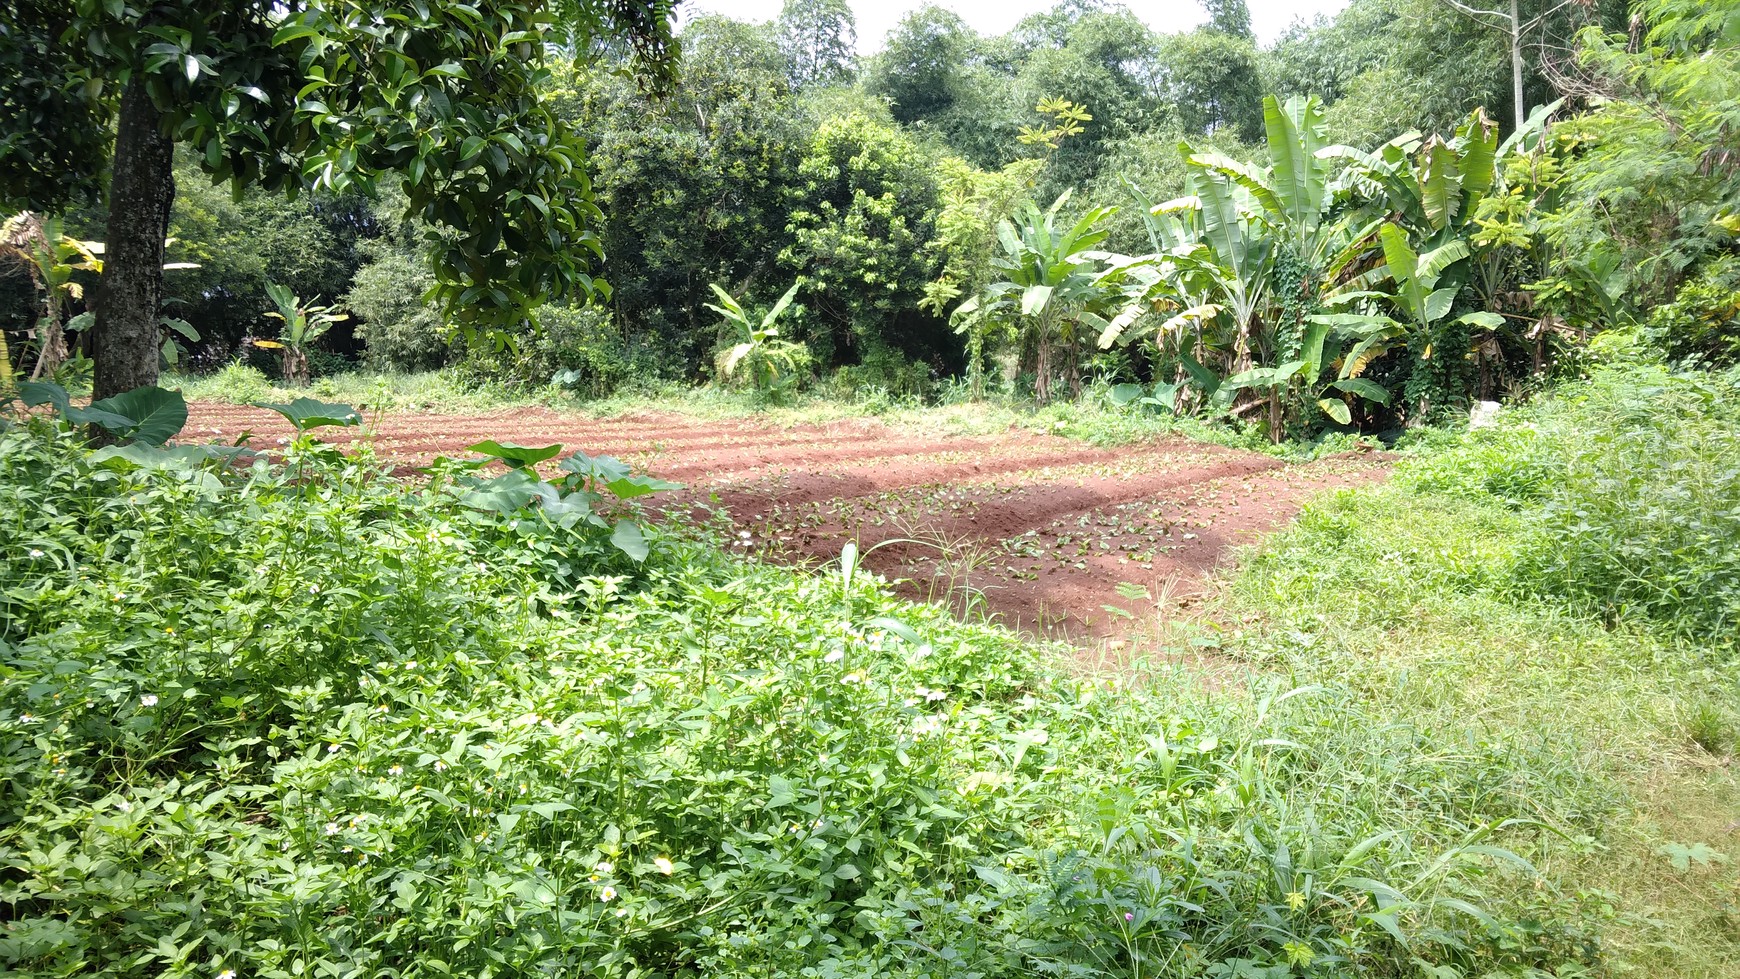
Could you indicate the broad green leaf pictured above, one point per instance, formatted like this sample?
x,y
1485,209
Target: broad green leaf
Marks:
x,y
1336,409
1367,389
153,415
307,413
516,456
630,487
629,540
1485,319
507,493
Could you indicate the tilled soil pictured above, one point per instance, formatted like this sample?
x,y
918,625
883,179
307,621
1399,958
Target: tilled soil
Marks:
x,y
1054,537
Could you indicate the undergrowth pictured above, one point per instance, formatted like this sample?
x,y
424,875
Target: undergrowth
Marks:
x,y
1558,591
302,719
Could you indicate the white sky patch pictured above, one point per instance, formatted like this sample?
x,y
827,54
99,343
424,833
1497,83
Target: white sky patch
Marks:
x,y
991,17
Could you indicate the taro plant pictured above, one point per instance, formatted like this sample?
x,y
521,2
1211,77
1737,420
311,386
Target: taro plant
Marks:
x,y
303,324
149,415
570,502
769,364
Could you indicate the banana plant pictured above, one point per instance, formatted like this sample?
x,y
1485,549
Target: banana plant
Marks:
x,y
1420,298
1053,280
303,324
769,362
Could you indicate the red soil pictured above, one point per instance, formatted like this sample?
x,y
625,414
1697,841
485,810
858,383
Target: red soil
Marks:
x,y
1053,536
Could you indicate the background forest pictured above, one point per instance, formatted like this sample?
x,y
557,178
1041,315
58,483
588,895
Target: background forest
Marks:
x,y
1341,240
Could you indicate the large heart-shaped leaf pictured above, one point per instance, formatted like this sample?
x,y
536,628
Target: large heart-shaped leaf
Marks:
x,y
516,456
152,415
143,456
507,493
630,541
604,469
1123,394
629,487
307,413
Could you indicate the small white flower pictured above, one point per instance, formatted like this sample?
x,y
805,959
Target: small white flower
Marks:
x,y
227,973
604,867
149,700
125,806
332,749
834,657
35,552
852,678
396,770
935,695
608,894
283,441
313,589
26,718
440,766
664,866
331,829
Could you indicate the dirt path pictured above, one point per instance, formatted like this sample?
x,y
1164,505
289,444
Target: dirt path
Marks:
x,y
1055,537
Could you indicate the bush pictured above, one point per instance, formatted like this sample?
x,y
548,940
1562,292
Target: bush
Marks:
x,y
302,719
578,348
400,330
1703,321
237,383
1642,514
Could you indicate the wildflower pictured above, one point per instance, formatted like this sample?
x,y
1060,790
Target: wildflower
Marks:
x,y
608,894
440,766
313,589
26,718
227,974
331,829
604,867
852,678
480,838
125,806
834,657
34,552
149,700
664,866
396,770
1129,916
332,749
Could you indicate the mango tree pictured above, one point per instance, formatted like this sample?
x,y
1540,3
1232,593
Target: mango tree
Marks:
x,y
444,98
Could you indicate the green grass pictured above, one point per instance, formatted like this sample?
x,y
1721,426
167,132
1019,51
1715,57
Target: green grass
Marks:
x,y
1093,419
1614,717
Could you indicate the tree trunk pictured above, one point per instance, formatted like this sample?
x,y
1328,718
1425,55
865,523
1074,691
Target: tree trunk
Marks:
x,y
1516,65
126,338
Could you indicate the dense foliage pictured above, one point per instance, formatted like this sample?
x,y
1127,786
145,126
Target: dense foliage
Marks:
x,y
297,716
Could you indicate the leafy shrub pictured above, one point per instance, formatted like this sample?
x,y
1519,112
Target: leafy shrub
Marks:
x,y
1703,321
238,383
1642,516
301,719
400,330
887,370
578,348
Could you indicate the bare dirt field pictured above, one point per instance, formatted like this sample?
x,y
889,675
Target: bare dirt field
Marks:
x,y
1055,537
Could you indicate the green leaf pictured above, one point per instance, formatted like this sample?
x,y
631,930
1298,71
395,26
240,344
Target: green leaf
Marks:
x,y
516,456
630,541
507,493
307,413
1367,389
630,487
153,415
1336,409
1123,394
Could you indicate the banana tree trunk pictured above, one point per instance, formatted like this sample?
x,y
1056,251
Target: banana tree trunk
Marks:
x,y
126,336
6,384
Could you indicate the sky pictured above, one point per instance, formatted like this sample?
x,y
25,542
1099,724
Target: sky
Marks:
x,y
877,17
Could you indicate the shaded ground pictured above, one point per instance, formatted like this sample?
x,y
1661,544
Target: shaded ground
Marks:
x,y
1055,537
